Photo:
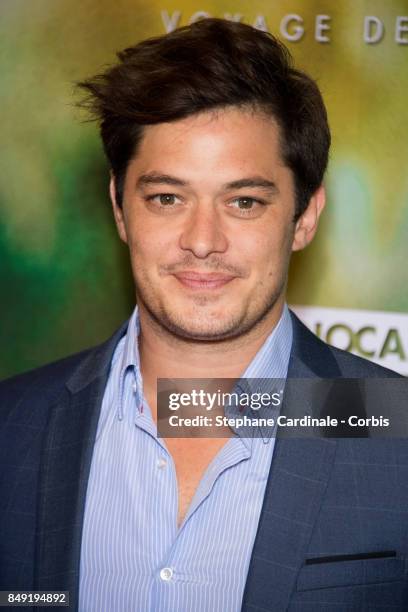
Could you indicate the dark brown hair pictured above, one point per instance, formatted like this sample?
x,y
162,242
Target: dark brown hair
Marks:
x,y
210,64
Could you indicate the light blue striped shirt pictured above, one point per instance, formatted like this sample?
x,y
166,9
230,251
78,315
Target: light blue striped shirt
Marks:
x,y
134,557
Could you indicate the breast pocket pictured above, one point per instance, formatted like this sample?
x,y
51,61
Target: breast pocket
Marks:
x,y
348,573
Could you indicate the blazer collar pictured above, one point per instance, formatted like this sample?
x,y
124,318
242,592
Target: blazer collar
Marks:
x,y
96,364
310,357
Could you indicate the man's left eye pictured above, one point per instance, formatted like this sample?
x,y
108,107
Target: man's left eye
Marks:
x,y
245,203
166,199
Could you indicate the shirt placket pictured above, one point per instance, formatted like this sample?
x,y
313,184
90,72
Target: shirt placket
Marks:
x,y
173,573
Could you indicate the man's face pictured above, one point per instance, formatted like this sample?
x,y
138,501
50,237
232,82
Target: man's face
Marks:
x,y
208,216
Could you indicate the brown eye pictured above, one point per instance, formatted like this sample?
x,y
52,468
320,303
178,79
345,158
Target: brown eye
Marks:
x,y
167,199
245,203
246,207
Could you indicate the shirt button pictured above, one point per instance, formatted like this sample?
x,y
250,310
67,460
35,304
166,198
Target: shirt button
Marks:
x,y
166,574
161,463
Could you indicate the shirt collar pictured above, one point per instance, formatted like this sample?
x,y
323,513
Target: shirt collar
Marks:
x,y
271,361
130,364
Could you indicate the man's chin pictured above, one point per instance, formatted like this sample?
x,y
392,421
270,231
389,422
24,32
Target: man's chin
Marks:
x,y
199,329
202,332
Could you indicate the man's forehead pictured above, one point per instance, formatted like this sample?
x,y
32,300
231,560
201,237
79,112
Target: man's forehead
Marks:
x,y
235,137
211,121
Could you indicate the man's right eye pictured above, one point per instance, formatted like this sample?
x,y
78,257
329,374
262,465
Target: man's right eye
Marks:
x,y
164,199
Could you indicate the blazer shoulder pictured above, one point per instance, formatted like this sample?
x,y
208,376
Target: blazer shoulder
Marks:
x,y
355,366
48,379
38,388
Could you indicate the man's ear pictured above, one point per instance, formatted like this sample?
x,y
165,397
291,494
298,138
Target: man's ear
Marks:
x,y
306,225
117,211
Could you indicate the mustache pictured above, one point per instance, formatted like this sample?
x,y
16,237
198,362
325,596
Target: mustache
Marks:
x,y
214,264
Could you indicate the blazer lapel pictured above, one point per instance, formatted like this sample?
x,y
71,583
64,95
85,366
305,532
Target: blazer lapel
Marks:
x,y
296,483
65,470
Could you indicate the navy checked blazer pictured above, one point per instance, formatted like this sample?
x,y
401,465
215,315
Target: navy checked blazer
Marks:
x,y
333,530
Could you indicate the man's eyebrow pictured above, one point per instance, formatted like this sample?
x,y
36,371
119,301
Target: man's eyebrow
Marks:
x,y
156,178
253,181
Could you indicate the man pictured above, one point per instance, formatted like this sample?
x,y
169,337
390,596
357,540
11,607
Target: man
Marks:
x,y
217,148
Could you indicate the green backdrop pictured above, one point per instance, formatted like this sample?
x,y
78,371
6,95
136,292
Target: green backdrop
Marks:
x,y
65,277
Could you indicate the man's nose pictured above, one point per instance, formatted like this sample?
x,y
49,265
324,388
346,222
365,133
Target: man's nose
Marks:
x,y
203,233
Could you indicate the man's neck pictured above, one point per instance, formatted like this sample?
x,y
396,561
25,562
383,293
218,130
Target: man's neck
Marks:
x,y
162,353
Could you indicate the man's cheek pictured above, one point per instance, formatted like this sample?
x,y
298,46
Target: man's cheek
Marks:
x,y
140,247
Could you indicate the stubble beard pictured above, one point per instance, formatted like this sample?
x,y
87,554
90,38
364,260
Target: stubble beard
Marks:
x,y
233,327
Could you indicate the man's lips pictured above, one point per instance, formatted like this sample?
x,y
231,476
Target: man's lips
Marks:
x,y
203,280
